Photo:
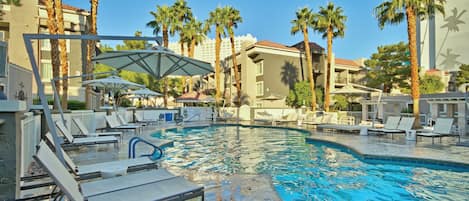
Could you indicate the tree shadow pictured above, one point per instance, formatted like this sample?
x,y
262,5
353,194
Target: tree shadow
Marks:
x,y
452,25
289,74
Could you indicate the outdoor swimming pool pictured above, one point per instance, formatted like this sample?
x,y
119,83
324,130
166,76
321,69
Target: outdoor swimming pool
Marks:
x,y
307,171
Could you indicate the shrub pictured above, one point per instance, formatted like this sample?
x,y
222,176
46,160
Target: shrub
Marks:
x,y
76,105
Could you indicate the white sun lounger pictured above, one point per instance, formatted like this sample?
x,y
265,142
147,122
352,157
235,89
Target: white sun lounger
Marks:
x,y
150,185
84,130
94,170
124,122
83,140
292,117
391,124
441,129
114,124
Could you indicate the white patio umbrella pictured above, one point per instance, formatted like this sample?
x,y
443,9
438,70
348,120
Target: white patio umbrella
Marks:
x,y
143,93
114,84
350,89
158,62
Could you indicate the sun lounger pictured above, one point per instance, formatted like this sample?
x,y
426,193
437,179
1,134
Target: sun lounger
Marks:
x,y
83,140
124,122
84,130
340,127
391,124
149,185
292,117
441,129
264,117
405,124
114,124
94,170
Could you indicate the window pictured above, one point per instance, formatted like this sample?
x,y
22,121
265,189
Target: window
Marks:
x,y
260,68
260,88
45,43
46,70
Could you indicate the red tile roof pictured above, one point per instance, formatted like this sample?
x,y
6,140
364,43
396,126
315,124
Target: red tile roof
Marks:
x,y
346,62
64,6
267,43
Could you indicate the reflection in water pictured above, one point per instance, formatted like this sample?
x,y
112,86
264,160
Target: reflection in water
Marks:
x,y
301,171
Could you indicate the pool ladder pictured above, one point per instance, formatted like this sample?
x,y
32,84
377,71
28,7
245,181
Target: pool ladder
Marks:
x,y
155,155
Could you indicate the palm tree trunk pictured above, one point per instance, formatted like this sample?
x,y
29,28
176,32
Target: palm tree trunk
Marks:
x,y
217,63
310,68
191,55
235,65
90,51
52,26
165,37
327,93
63,53
181,43
414,70
165,80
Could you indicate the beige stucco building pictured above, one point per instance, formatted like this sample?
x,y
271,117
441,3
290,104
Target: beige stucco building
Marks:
x,y
270,70
31,17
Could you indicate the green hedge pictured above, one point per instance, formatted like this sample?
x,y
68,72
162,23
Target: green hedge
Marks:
x,y
72,104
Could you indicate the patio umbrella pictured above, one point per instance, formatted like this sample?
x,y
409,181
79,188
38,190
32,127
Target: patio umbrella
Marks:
x,y
144,93
113,83
195,97
272,98
158,62
349,89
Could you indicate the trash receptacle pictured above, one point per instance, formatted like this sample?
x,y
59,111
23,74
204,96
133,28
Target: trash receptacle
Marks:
x,y
363,131
410,135
168,117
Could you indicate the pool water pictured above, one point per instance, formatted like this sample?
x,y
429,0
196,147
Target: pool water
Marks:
x,y
307,171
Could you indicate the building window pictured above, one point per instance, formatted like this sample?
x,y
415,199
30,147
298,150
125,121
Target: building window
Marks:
x,y
260,88
46,70
260,68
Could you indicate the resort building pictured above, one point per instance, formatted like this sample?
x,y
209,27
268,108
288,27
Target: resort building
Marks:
x,y
31,17
206,50
274,69
443,40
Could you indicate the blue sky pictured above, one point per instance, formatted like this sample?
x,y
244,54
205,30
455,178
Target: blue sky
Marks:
x,y
264,19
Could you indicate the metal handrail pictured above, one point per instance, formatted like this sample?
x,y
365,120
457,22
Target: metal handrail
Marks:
x,y
153,156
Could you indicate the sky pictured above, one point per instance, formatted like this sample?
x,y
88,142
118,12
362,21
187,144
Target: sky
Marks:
x,y
264,19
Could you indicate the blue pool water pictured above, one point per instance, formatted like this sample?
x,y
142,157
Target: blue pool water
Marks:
x,y
307,171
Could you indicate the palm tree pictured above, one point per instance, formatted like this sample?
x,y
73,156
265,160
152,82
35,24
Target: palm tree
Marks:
x,y
53,29
234,19
304,20
217,18
164,21
91,49
194,35
396,11
183,14
63,53
330,22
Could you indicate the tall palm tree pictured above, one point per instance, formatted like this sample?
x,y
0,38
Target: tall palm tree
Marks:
x,y
91,49
304,20
330,22
63,53
396,11
183,14
217,18
234,18
194,35
164,21
53,29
